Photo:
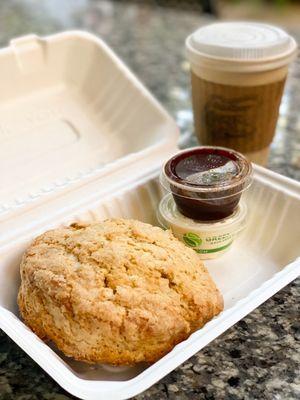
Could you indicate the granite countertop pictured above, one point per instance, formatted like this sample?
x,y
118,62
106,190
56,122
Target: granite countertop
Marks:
x,y
258,358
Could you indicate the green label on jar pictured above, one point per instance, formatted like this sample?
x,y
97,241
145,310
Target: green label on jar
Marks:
x,y
205,251
192,239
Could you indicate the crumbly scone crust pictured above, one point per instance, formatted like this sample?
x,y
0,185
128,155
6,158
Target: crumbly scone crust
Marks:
x,y
118,291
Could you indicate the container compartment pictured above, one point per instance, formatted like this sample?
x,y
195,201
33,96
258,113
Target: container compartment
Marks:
x,y
72,110
260,262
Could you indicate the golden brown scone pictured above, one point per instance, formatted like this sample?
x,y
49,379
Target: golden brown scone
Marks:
x,y
118,291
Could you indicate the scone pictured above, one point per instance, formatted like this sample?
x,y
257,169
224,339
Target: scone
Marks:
x,y
118,291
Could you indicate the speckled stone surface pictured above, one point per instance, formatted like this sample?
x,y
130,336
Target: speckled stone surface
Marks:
x,y
258,358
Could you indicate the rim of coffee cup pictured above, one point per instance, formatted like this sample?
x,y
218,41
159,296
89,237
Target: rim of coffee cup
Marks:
x,y
235,64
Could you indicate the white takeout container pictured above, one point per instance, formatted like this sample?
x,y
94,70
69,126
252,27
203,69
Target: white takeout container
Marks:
x,y
84,140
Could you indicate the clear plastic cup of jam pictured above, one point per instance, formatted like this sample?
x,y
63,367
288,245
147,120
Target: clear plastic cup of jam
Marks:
x,y
206,181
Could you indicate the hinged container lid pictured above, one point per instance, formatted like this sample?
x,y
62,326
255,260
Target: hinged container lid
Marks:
x,y
71,116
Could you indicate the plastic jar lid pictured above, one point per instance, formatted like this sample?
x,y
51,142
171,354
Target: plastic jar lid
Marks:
x,y
243,43
169,217
219,190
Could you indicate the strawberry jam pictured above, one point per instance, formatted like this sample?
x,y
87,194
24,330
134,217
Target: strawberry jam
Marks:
x,y
207,182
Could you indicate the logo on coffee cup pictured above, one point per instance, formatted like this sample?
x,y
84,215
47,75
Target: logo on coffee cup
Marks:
x,y
230,118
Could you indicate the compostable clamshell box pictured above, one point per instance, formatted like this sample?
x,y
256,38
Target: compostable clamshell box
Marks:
x,y
82,139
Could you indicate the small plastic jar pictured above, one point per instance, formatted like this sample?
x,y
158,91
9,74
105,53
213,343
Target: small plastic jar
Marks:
x,y
207,182
210,239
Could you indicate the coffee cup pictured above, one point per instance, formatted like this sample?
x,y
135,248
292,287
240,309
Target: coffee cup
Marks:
x,y
238,73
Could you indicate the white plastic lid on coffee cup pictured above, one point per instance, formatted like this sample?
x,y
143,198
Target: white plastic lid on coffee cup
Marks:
x,y
241,46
